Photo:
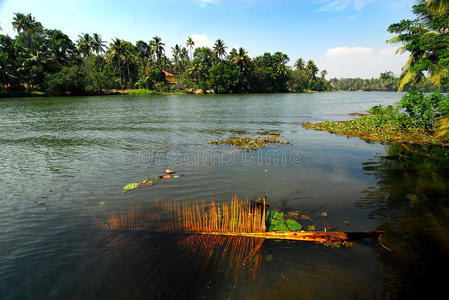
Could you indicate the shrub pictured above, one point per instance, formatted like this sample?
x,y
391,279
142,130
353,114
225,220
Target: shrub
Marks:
x,y
70,80
425,109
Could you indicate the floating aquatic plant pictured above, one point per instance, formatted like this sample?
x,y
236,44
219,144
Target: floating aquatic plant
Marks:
x,y
249,143
382,125
148,182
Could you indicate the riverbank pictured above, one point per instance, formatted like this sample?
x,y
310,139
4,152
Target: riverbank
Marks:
x,y
18,94
381,125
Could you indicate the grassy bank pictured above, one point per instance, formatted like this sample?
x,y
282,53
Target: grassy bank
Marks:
x,y
383,124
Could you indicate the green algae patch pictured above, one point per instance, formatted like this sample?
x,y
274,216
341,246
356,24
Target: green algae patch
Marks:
x,y
249,143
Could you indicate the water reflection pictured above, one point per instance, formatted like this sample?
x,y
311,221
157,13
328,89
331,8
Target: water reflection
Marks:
x,y
239,254
172,266
411,198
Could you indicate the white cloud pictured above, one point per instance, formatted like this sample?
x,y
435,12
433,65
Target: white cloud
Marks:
x,y
201,40
347,52
362,62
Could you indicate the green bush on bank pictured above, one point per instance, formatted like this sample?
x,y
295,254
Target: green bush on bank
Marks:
x,y
69,80
413,121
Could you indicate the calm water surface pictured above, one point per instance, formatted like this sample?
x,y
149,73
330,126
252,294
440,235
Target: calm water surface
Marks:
x,y
65,161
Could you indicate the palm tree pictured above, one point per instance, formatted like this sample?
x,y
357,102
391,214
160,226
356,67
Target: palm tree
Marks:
x,y
311,69
299,64
323,74
240,58
84,44
282,70
97,43
190,43
219,49
194,71
26,23
117,55
158,48
423,38
176,51
184,57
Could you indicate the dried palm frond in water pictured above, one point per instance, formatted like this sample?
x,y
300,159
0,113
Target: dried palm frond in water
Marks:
x,y
192,216
236,218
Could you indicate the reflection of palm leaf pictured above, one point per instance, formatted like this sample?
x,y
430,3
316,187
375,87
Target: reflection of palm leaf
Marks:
x,y
241,253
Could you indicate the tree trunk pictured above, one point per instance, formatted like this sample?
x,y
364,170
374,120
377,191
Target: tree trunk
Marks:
x,y
120,72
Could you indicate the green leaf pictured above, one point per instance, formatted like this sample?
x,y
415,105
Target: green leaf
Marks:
x,y
130,186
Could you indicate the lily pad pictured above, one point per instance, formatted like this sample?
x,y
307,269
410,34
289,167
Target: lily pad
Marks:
x,y
293,225
130,186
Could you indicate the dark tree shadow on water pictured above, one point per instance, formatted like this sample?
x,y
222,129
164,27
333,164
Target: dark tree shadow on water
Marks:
x,y
139,265
411,201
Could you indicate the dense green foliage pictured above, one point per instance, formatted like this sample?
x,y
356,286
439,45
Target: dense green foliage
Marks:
x,y
426,38
425,109
44,60
387,82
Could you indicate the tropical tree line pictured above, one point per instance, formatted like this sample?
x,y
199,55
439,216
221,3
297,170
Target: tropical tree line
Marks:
x,y
47,60
386,82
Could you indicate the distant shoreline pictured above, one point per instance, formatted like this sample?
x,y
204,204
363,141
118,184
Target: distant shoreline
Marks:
x,y
132,92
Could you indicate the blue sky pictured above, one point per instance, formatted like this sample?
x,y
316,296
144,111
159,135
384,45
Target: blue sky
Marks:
x,y
346,37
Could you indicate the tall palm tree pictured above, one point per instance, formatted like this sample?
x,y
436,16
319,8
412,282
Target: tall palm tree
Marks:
x,y
311,69
143,53
97,44
184,57
117,55
22,22
299,64
176,51
158,48
323,74
84,44
219,49
190,43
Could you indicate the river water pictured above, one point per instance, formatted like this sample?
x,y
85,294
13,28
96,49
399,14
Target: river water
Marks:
x,y
65,161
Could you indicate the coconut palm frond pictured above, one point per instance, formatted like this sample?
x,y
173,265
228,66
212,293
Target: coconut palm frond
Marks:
x,y
408,77
394,40
442,128
400,50
438,6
